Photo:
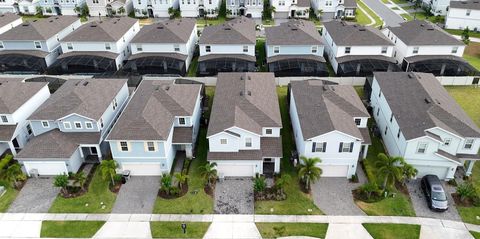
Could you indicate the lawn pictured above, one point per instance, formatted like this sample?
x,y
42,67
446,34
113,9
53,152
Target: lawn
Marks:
x,y
90,202
393,231
192,68
274,230
476,235
362,18
406,16
297,202
261,55
174,229
70,229
472,54
7,199
378,20
196,201
459,32
208,22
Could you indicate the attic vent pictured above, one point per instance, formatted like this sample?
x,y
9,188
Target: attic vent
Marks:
x,y
410,75
249,93
167,88
85,83
428,101
160,27
228,28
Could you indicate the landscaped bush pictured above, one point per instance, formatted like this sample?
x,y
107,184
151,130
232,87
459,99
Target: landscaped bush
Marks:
x,y
466,194
368,192
275,193
5,161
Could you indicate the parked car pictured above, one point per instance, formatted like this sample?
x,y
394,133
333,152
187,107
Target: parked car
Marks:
x,y
434,193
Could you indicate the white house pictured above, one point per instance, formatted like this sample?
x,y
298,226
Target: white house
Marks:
x,y
110,7
27,7
290,8
463,14
422,46
355,50
248,8
329,122
334,8
244,129
8,21
97,46
437,7
422,123
164,47
154,8
34,45
18,100
61,7
7,6
70,127
200,8
161,120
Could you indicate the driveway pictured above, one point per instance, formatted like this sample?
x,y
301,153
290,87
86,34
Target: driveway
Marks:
x,y
36,196
389,17
420,204
234,196
138,195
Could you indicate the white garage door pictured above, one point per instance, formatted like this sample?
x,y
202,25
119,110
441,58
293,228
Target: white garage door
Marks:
x,y
441,172
334,170
235,170
143,169
46,168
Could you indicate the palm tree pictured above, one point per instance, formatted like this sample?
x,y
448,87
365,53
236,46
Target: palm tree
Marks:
x,y
80,178
209,172
309,171
181,179
12,173
408,172
389,168
108,169
281,182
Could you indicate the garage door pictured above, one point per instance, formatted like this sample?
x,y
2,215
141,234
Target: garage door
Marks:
x,y
46,168
235,170
334,170
441,172
143,169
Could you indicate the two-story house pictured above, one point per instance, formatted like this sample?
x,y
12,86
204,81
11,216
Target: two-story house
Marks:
x,y
164,47
290,8
8,21
154,8
70,127
355,50
18,100
200,8
227,47
334,9
463,14
34,45
7,6
437,7
422,123
110,7
26,7
61,7
161,120
247,8
97,46
244,129
329,122
421,46
295,48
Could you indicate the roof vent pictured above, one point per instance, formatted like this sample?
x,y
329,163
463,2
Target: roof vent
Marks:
x,y
26,24
249,78
241,93
35,20
362,29
51,21
157,88
430,29
325,88
410,75
2,15
93,25
428,101
167,88
422,25
437,101
160,27
249,93
85,83
294,29
473,2
228,28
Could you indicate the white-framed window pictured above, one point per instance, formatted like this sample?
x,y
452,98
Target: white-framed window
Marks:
x,y
468,12
67,125
248,142
358,122
447,141
29,129
1,45
78,125
384,49
107,46
454,49
345,147
208,48
347,50
150,146
45,124
398,134
37,44
88,125
415,50
139,47
276,49
114,103
223,141
124,146
181,121
245,48
69,46
314,49
319,147
176,47
468,143
422,147
4,119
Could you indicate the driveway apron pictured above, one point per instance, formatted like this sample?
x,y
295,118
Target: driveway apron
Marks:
x,y
234,196
138,195
36,196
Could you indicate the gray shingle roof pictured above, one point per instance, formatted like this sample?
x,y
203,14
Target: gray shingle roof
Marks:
x,y
7,18
151,112
14,93
182,135
294,32
325,108
469,4
171,31
107,30
350,34
6,132
421,32
40,29
419,102
350,4
303,3
245,100
240,30
86,97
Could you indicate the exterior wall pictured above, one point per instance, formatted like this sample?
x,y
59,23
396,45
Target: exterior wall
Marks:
x,y
252,7
75,118
110,114
100,8
10,25
284,8
294,50
159,7
438,7
66,6
210,8
234,143
457,19
75,161
7,6
28,8
227,49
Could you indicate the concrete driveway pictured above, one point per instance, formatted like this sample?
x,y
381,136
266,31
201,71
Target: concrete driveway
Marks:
x,y
36,196
138,195
334,196
389,17
234,196
420,204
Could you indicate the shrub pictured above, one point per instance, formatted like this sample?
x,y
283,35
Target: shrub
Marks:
x,y
369,189
166,183
61,181
259,184
5,161
466,191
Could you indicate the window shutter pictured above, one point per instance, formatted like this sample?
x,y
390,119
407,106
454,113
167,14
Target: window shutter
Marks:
x,y
314,145
340,148
351,147
324,147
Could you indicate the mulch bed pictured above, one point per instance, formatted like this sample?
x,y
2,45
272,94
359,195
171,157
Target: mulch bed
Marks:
x,y
115,188
164,195
466,203
357,195
303,188
73,192
270,194
209,190
402,188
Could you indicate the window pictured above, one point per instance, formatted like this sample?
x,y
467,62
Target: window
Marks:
x,y
223,141
415,50
345,147
208,48
398,134
67,125
78,125
319,147
314,49
468,144
358,121
384,49
386,130
101,123
139,47
276,49
447,141
38,45
114,103
245,48
422,147
454,49
176,47
69,46
248,142
88,125
181,121
107,46
45,124
378,111
151,146
347,50
391,117
4,119
123,146
379,94
268,131
29,129
468,12
1,45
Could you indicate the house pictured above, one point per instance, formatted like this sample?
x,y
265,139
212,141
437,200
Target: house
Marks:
x,y
227,47
290,8
244,129
200,8
422,123
61,7
247,8
18,100
329,122
155,8
164,48
34,45
334,9
437,7
8,21
422,46
355,50
463,14
26,7
7,6
110,7
295,48
161,120
70,127
97,46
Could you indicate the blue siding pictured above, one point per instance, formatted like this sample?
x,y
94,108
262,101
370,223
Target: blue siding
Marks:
x,y
38,128
77,118
137,149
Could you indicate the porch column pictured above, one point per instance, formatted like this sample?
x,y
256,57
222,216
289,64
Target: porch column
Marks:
x,y
12,148
443,69
470,168
365,151
99,153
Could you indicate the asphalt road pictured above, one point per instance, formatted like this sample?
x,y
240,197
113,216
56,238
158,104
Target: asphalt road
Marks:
x,y
389,17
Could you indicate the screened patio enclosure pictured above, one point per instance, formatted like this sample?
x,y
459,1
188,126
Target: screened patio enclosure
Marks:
x,y
364,65
297,65
23,61
210,65
84,62
439,65
157,63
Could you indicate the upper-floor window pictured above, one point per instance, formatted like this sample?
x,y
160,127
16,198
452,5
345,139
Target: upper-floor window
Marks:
x,y
268,131
139,47
447,141
29,129
358,121
223,141
248,142
38,45
78,125
345,147
276,49
151,146
245,48
379,94
101,123
415,50
398,134
4,119
454,49
378,111
468,12
384,49
114,104
1,45
391,117
176,47
67,125
468,143
208,48
320,147
347,50
123,146
107,46
181,121
69,46
45,124
88,125
314,49
386,130
422,147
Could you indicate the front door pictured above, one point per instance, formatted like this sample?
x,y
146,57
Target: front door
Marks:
x,y
292,13
242,12
268,167
93,150
15,143
58,11
150,12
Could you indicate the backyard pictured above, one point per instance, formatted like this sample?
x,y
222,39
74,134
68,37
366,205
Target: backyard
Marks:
x,y
274,230
472,55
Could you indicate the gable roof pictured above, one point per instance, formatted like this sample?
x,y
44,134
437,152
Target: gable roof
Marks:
x,y
87,97
39,29
469,4
294,32
106,30
421,32
151,112
240,30
419,102
171,31
324,108
245,100
14,93
350,34
7,18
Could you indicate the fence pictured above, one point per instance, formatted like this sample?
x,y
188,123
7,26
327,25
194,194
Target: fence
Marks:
x,y
456,80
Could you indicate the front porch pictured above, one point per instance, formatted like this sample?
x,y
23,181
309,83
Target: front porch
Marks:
x,y
91,154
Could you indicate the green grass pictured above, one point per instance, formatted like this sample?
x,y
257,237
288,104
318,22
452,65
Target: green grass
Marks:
x,y
70,229
475,235
406,16
393,231
395,8
7,199
377,19
274,230
174,229
360,92
297,202
199,202
269,22
32,17
399,205
98,192
399,1
261,55
459,32
216,21
472,54
192,69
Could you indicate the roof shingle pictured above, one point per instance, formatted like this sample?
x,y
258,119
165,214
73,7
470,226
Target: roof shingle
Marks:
x,y
106,30
240,30
419,32
41,29
171,31
350,34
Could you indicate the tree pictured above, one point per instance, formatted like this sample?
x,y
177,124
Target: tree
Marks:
x,y
61,181
209,173
408,172
80,178
281,182
173,12
166,183
369,189
268,10
12,173
39,11
121,10
309,171
466,190
181,179
466,35
389,168
108,168
259,184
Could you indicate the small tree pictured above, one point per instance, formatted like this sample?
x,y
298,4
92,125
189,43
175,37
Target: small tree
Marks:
x,y
466,191
61,181
39,11
281,182
389,168
309,171
408,172
108,170
259,184
368,189
121,10
12,173
466,35
173,12
166,183
181,179
80,178
209,173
